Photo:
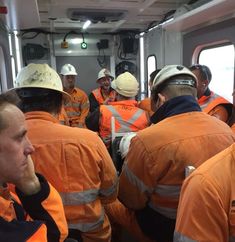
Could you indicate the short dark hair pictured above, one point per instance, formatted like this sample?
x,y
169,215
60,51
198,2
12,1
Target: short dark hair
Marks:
x,y
204,71
153,74
40,99
6,99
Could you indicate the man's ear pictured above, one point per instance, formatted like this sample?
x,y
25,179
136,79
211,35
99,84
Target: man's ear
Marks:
x,y
156,102
161,99
206,82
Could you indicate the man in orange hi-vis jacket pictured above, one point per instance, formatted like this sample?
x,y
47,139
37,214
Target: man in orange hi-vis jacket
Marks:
x,y
207,202
128,117
181,136
35,211
104,93
210,102
77,162
77,107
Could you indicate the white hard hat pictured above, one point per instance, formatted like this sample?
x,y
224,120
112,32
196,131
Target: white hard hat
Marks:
x,y
103,73
126,85
125,143
39,76
174,70
68,69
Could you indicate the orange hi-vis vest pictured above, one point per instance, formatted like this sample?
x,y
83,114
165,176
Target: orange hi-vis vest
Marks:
x,y
208,103
128,118
100,98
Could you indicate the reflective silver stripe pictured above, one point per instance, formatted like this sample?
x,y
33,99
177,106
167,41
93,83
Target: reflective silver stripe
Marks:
x,y
125,125
232,239
209,100
80,125
85,227
109,191
167,212
71,114
72,105
135,117
135,180
182,238
85,105
77,198
168,190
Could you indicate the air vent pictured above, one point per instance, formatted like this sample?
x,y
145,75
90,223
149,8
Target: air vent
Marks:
x,y
95,15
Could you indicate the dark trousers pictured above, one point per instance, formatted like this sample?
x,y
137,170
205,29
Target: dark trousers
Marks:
x,y
74,235
155,225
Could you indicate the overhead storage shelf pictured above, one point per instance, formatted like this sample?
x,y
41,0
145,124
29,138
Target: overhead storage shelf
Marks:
x,y
207,13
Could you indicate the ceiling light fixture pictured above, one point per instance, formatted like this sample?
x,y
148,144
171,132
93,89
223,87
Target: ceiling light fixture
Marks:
x,y
86,24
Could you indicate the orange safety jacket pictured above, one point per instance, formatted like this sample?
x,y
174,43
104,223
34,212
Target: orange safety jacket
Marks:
x,y
145,104
207,201
78,165
209,103
99,97
128,118
46,209
155,164
233,127
77,108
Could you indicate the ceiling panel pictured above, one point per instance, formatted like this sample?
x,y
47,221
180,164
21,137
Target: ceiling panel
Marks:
x,y
138,14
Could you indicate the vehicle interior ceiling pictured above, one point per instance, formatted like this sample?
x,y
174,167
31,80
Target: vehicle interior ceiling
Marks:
x,y
106,16
128,18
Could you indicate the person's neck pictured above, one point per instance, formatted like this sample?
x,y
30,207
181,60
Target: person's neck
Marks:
x,y
105,91
69,90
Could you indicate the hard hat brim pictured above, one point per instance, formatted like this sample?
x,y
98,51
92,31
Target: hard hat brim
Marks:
x,y
65,94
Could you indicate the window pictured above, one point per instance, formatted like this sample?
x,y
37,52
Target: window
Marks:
x,y
151,66
3,74
220,60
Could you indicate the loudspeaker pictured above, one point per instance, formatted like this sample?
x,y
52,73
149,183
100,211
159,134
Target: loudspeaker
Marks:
x,y
103,44
33,51
128,45
125,66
